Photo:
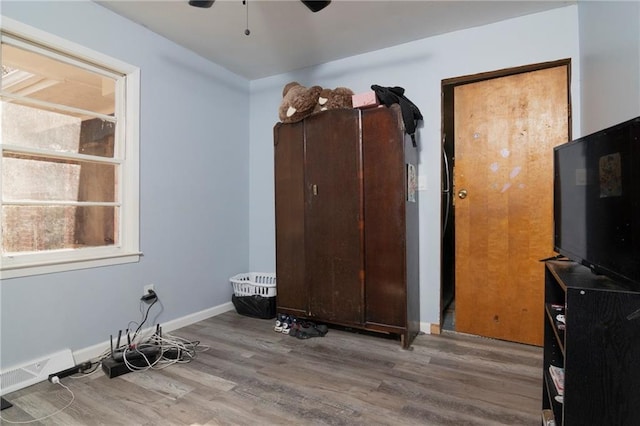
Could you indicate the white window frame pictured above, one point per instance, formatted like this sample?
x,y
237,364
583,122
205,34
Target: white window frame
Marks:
x,y
127,152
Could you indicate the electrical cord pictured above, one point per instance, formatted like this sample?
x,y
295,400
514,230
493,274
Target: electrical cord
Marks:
x,y
171,349
178,350
55,380
95,365
144,319
133,367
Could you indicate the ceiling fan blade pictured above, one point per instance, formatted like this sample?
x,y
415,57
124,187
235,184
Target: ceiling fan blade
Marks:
x,y
316,6
199,3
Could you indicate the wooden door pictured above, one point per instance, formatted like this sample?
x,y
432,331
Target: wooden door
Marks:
x,y
334,203
505,131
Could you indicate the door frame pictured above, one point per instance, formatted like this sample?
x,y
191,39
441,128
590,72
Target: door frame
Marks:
x,y
447,136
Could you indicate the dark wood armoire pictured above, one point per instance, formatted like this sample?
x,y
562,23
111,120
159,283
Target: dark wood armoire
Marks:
x,y
346,210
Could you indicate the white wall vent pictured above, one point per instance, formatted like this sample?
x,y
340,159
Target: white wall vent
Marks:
x,y
13,379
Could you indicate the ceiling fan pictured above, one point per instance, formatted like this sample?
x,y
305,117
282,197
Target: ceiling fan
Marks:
x,y
313,5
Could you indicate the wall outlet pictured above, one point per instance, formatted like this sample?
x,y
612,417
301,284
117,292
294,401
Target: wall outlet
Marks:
x,y
147,288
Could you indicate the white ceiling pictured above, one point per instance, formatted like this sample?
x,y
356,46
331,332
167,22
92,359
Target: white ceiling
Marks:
x,y
285,35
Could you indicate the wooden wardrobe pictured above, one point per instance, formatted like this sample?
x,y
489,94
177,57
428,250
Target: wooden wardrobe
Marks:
x,y
346,210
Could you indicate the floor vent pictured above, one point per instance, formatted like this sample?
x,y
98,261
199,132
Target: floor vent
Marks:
x,y
13,379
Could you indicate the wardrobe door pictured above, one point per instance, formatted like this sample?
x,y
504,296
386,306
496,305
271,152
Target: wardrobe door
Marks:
x,y
385,198
292,295
391,232
333,216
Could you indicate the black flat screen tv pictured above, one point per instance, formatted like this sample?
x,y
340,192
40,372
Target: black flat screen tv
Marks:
x,y
597,201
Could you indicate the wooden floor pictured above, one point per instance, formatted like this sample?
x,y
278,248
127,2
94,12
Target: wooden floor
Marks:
x,y
254,376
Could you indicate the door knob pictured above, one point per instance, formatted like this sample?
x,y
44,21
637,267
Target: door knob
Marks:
x,y
462,194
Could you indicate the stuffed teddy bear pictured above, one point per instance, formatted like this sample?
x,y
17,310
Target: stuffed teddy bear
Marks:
x,y
340,97
323,98
298,102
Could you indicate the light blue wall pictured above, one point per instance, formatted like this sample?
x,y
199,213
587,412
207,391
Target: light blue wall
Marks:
x,y
610,63
199,192
419,67
194,194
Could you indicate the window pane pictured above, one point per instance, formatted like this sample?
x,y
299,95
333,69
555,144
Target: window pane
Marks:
x,y
32,127
33,75
39,228
34,178
68,164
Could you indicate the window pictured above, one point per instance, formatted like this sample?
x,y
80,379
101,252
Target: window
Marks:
x,y
69,169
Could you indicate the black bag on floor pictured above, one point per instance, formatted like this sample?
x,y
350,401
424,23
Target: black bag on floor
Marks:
x,y
255,306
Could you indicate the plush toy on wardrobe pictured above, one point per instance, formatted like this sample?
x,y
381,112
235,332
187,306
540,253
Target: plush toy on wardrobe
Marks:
x,y
298,102
340,97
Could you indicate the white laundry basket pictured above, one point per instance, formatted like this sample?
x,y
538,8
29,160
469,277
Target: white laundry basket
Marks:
x,y
252,283
254,294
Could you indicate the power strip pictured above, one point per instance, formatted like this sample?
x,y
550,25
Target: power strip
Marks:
x,y
80,368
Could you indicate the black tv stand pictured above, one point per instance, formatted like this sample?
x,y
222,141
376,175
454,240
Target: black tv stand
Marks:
x,y
556,257
4,404
595,271
598,346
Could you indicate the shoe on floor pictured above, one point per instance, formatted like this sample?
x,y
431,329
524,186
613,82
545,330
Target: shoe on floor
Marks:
x,y
307,330
295,327
286,326
280,320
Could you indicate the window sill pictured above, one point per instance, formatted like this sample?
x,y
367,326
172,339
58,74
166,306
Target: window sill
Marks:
x,y
64,266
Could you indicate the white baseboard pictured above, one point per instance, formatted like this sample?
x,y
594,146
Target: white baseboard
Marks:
x,y
92,352
35,371
425,327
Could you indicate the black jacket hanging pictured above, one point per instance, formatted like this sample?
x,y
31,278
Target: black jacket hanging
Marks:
x,y
410,112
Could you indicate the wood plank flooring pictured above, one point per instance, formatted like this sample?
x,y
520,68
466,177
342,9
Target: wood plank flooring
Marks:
x,y
251,375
